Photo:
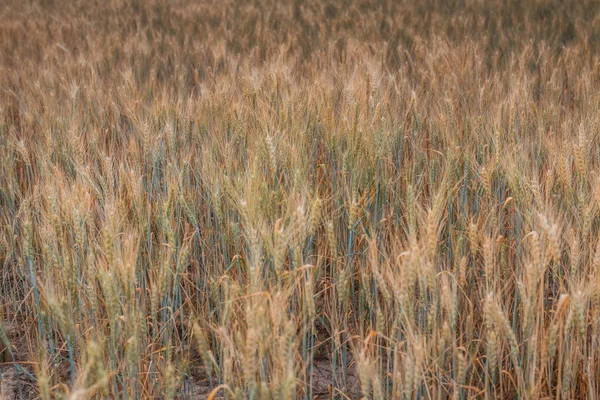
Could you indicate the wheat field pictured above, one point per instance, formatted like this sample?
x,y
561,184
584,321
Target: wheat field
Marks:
x,y
352,199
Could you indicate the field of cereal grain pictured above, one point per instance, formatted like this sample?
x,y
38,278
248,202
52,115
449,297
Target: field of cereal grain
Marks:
x,y
354,199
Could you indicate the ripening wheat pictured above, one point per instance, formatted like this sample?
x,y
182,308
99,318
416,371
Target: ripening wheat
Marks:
x,y
300,199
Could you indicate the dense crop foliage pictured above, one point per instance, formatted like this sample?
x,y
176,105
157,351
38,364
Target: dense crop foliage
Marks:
x,y
281,200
